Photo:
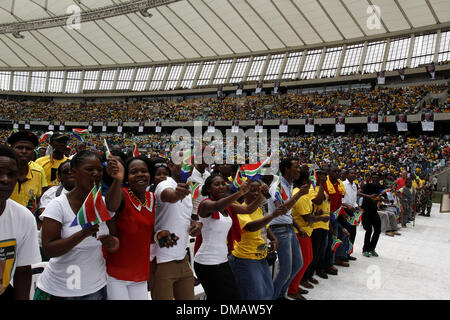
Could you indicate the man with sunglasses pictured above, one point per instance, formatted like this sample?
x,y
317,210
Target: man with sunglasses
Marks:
x,y
67,183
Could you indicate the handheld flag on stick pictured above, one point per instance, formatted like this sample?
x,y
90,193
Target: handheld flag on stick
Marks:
x,y
384,191
195,190
356,219
80,134
108,153
280,193
336,243
32,202
100,207
186,165
349,247
237,182
135,151
335,214
93,210
254,171
86,215
45,136
313,178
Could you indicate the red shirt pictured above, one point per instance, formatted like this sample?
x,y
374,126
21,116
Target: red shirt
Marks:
x,y
335,198
400,183
135,228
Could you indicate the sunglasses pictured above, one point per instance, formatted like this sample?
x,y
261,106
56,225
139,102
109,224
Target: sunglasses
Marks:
x,y
161,164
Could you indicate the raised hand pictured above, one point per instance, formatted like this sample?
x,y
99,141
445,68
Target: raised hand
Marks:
x,y
115,169
89,231
244,188
304,189
195,228
182,190
280,210
264,188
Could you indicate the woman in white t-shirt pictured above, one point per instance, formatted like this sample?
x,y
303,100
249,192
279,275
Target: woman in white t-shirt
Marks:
x,y
76,270
217,212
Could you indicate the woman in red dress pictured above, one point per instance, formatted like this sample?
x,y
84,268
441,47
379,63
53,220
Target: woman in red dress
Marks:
x,y
129,268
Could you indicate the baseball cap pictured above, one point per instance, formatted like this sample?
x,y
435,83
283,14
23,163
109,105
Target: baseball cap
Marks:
x,y
59,136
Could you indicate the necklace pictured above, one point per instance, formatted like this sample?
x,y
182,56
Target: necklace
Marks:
x,y
145,204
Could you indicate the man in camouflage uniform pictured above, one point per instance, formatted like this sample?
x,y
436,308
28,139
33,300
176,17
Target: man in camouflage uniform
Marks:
x,y
427,197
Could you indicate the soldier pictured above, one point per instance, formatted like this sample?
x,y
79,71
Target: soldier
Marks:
x,y
427,197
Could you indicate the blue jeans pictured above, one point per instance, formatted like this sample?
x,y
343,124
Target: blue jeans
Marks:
x,y
98,295
289,257
253,278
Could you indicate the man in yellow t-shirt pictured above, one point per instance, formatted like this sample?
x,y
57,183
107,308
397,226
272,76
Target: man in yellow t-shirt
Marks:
x,y
303,214
31,180
50,163
319,237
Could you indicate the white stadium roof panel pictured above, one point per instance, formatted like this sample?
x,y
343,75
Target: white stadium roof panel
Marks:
x,y
418,12
442,9
318,19
342,18
391,14
34,33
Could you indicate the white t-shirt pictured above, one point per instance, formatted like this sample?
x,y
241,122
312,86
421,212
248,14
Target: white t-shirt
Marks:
x,y
80,271
351,193
214,249
18,241
49,195
197,177
175,217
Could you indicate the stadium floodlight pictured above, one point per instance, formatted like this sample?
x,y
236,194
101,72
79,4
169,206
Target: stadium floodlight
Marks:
x,y
141,6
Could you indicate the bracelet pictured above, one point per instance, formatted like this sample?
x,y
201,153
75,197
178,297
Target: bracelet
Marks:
x,y
155,237
116,241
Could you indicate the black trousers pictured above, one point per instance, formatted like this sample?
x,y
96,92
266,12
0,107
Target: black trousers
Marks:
x,y
318,241
372,224
218,281
8,294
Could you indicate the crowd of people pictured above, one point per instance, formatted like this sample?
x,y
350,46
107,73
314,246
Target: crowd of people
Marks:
x,y
389,152
352,102
305,216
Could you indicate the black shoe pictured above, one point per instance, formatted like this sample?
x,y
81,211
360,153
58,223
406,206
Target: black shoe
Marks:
x,y
302,291
322,274
351,258
331,271
421,214
427,215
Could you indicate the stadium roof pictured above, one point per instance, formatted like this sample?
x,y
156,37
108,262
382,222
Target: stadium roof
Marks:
x,y
38,33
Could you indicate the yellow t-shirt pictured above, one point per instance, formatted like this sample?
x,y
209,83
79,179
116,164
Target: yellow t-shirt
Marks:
x,y
252,244
50,168
302,207
31,187
325,206
420,185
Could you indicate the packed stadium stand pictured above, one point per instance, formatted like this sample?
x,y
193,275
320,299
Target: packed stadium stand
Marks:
x,y
344,85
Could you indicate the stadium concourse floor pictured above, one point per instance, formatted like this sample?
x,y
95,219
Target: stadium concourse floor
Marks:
x,y
412,266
